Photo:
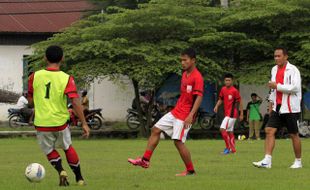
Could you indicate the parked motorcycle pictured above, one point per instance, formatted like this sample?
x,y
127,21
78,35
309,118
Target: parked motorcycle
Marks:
x,y
93,118
205,120
133,118
17,118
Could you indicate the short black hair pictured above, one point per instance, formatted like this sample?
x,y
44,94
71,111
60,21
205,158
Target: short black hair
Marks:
x,y
84,93
284,50
253,94
54,54
228,75
190,52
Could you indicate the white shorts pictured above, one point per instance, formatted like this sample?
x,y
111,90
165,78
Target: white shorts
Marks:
x,y
49,141
228,123
173,127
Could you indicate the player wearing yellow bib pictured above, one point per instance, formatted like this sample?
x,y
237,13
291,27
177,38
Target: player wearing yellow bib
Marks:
x,y
48,90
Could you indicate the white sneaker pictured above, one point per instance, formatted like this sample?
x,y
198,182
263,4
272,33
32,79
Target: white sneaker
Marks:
x,y
261,164
296,165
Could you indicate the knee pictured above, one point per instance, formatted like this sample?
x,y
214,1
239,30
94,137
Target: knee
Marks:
x,y
294,136
269,131
178,143
156,131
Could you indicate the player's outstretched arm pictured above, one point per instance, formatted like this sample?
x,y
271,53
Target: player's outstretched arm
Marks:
x,y
79,111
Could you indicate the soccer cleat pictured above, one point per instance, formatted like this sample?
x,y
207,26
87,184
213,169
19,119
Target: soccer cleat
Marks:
x,y
81,182
226,151
261,164
186,173
139,162
63,178
234,151
296,165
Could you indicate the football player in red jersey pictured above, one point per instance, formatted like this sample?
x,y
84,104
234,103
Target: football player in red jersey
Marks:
x,y
231,99
178,122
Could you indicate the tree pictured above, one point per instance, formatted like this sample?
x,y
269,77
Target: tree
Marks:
x,y
144,44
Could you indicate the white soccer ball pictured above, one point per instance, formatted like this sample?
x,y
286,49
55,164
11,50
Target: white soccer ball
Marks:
x,y
35,172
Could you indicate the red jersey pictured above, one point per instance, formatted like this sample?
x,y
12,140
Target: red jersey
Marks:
x,y
191,86
280,80
70,91
230,97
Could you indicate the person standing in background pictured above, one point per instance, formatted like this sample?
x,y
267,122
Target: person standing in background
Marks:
x,y
254,116
85,100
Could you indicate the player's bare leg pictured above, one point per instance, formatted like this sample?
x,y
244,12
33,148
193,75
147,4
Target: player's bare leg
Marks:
x,y
270,140
297,150
151,145
154,139
296,145
186,157
269,146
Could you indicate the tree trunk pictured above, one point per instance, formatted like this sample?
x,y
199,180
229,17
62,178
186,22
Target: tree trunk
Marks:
x,y
139,109
149,114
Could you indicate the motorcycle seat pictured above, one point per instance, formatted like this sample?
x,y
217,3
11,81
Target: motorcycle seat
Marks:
x,y
95,110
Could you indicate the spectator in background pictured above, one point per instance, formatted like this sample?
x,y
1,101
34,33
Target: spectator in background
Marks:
x,y
254,116
22,101
85,103
26,112
85,100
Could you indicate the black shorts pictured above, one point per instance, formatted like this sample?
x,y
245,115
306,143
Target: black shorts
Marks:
x,y
288,120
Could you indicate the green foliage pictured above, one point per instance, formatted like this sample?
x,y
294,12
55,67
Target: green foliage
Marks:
x,y
144,43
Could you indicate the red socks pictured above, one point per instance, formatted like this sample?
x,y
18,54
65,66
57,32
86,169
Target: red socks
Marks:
x,y
147,155
232,142
53,156
226,138
190,167
72,156
55,159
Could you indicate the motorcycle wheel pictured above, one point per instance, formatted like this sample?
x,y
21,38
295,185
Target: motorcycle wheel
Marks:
x,y
132,122
206,123
13,121
95,122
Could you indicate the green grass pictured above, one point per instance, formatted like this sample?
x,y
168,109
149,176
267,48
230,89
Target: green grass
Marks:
x,y
104,164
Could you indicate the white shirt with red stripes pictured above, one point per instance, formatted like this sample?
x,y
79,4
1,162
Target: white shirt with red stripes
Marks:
x,y
291,89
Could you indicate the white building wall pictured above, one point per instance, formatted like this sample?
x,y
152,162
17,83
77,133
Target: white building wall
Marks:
x,y
11,72
113,98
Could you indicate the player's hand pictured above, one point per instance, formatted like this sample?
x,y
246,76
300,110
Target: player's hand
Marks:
x,y
215,109
272,85
188,121
86,130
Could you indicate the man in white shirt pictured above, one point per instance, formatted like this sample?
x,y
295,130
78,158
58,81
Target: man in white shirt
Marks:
x,y
22,101
285,106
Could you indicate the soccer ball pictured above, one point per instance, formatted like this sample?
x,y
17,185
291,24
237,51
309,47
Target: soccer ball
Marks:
x,y
241,137
35,172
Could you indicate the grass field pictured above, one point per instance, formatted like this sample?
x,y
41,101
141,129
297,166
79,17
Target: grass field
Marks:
x,y
104,164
